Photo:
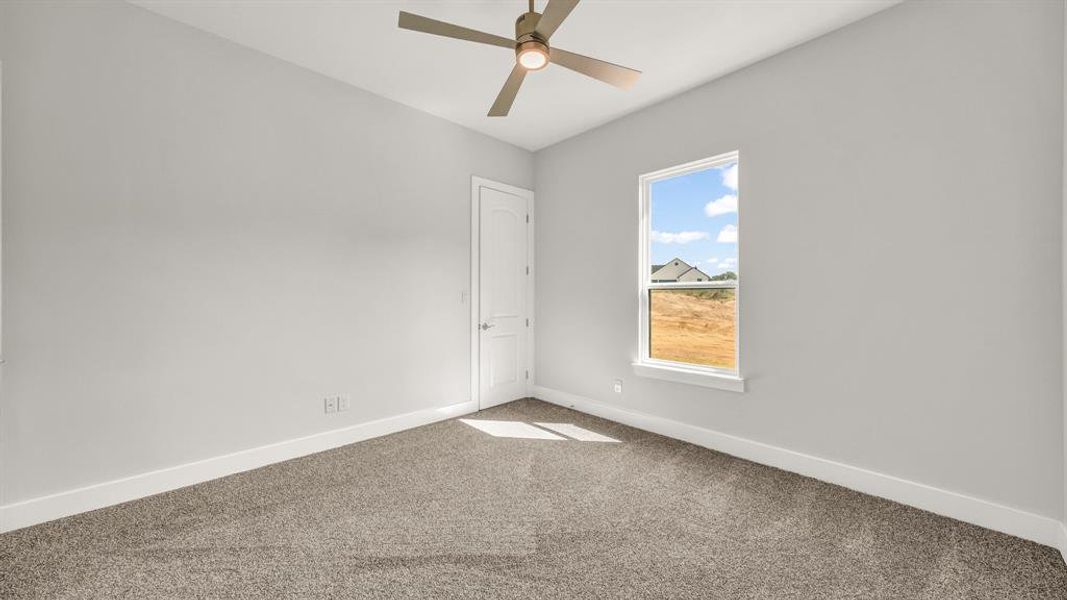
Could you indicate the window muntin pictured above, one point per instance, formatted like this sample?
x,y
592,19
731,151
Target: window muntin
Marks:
x,y
689,266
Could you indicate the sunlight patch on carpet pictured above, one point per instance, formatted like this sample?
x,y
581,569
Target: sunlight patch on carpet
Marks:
x,y
573,431
511,429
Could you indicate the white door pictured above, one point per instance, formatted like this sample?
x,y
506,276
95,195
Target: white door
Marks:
x,y
503,326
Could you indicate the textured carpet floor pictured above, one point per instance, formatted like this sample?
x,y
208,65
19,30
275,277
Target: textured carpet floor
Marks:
x,y
448,511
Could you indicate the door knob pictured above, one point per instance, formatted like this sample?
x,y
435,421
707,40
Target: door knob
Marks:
x,y
485,326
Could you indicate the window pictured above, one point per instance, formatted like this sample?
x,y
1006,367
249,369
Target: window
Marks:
x,y
689,274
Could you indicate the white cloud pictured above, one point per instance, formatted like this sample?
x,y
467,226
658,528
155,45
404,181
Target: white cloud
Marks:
x,y
723,206
713,260
681,237
728,263
729,177
727,235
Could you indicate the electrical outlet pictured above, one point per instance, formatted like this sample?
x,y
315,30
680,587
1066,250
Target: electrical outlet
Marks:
x,y
344,402
331,404
618,386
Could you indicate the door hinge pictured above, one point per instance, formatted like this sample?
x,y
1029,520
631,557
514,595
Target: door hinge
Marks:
x,y
527,269
527,217
527,324
527,374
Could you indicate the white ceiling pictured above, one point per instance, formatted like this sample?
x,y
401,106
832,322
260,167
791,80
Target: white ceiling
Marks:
x,y
678,44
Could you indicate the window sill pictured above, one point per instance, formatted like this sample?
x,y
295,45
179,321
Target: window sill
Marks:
x,y
699,377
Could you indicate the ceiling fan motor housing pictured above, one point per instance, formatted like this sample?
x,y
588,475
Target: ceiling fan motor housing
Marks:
x,y
526,28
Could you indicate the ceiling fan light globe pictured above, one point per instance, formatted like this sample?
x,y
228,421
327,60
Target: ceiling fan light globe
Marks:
x,y
532,56
533,60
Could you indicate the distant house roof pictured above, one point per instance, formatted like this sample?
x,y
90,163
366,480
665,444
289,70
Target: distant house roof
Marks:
x,y
694,274
670,271
677,270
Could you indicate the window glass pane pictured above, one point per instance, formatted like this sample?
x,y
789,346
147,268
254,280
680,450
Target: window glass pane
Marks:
x,y
694,326
693,226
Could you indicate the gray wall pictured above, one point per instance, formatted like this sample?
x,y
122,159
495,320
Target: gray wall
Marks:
x,y
200,242
900,249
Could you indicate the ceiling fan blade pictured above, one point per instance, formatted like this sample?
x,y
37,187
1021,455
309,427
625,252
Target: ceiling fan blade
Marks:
x,y
555,12
507,93
618,76
427,25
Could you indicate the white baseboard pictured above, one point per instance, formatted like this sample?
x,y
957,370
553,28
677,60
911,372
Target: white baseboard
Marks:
x,y
46,508
1030,526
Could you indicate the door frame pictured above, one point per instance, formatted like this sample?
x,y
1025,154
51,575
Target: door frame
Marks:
x,y
477,183
3,463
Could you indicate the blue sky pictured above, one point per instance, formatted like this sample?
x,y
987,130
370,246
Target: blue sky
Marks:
x,y
694,218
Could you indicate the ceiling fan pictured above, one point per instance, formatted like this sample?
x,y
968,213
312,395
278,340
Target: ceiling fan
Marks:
x,y
532,51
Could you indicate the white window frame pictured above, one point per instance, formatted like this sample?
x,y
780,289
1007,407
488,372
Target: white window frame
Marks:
x,y
645,365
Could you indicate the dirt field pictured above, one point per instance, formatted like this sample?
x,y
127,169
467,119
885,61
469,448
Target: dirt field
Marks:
x,y
694,326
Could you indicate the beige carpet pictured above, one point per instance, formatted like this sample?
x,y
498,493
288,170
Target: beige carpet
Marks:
x,y
449,511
